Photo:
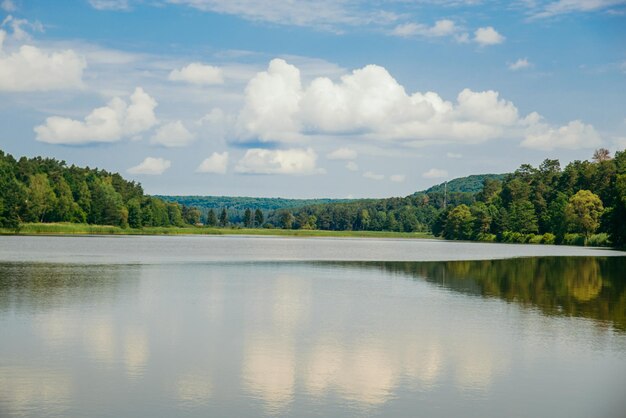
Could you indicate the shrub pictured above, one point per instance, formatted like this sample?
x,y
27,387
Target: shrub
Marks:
x,y
515,237
548,238
534,239
599,240
574,239
485,237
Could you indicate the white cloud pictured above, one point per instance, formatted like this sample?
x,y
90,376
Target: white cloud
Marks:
x,y
441,28
454,155
559,7
8,6
17,26
152,166
290,161
216,164
110,123
622,66
342,154
272,102
172,134
520,64
488,36
33,69
109,4
397,178
352,166
574,135
373,176
367,103
322,14
198,73
435,173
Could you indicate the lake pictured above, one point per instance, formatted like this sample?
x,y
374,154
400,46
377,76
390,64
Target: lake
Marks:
x,y
196,326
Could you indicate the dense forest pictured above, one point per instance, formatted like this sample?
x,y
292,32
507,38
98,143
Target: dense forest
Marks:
x,y
47,190
583,203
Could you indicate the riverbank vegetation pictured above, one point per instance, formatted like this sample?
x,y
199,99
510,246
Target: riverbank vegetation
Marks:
x,y
581,204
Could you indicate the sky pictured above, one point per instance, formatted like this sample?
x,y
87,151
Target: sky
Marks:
x,y
310,98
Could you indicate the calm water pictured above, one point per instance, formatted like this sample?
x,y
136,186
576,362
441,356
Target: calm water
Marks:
x,y
247,327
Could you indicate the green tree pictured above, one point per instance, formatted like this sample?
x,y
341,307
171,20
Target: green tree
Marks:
x,y
459,223
134,213
286,219
258,218
41,197
211,219
224,218
522,217
583,212
247,218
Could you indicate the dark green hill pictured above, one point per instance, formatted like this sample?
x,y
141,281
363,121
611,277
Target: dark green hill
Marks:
x,y
469,184
243,203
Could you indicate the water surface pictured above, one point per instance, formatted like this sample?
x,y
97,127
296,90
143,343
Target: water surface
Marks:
x,y
174,334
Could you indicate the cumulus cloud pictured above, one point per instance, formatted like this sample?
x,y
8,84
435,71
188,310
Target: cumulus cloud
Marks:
x,y
435,173
574,135
110,123
397,178
172,135
520,64
373,176
151,166
272,100
33,69
289,161
342,154
488,36
110,4
367,103
352,166
444,27
216,164
198,73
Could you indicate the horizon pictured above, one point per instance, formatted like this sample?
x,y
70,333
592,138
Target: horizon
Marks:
x,y
346,100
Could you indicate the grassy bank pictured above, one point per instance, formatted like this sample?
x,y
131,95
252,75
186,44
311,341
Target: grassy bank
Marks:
x,y
85,229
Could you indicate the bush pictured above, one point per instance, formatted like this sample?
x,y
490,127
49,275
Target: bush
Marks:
x,y
534,239
514,237
574,239
599,240
485,237
548,238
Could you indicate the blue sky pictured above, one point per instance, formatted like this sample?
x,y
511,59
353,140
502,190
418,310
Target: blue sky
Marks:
x,y
308,98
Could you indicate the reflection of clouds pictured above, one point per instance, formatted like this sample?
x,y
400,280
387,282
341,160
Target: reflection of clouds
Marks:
x,y
424,362
290,303
100,340
364,373
56,329
269,371
135,352
477,364
24,389
194,389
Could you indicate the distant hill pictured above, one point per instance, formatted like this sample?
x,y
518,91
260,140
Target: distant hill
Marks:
x,y
243,203
469,184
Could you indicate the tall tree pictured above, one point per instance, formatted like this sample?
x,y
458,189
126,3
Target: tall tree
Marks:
x,y
211,219
41,197
247,218
258,218
224,217
583,212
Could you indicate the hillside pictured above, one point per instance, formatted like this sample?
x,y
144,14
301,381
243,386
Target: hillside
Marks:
x,y
265,204
469,184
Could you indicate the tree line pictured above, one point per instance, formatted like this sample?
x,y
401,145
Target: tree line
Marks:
x,y
47,190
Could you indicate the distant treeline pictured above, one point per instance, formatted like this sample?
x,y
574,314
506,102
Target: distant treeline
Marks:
x,y
47,190
584,203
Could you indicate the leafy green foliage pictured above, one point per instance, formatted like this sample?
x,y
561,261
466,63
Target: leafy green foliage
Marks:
x,y
47,190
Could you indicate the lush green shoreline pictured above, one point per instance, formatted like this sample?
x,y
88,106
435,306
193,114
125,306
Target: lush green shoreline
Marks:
x,y
68,228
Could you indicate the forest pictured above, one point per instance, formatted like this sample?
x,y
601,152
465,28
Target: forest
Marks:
x,y
583,203
47,190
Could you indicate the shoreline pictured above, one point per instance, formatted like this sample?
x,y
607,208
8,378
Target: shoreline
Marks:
x,y
32,229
